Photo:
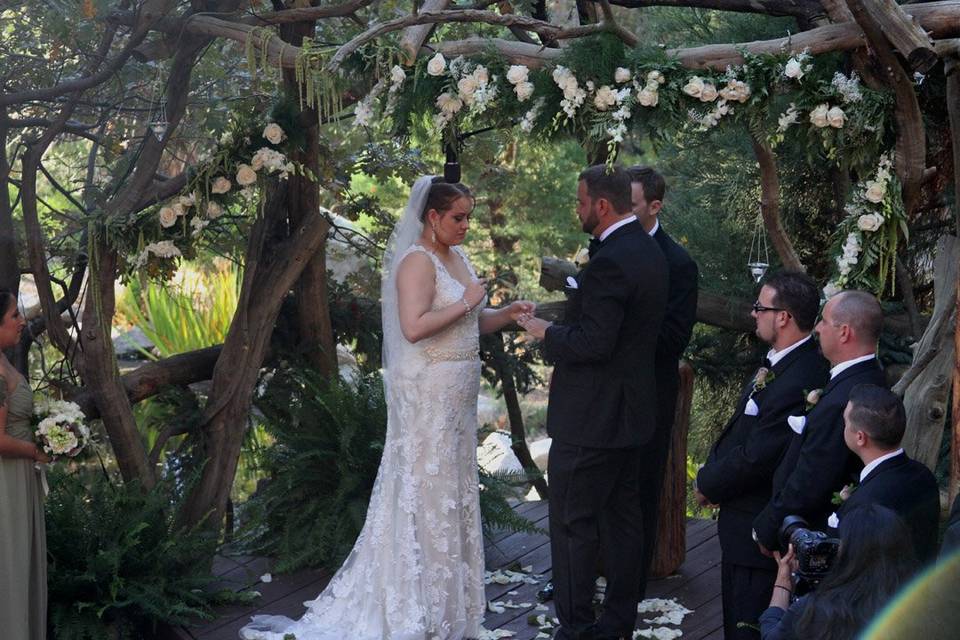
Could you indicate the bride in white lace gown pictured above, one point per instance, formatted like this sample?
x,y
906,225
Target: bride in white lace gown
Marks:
x,y
416,571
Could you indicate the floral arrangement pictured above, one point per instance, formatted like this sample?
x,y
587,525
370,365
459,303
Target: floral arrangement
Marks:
x,y
870,232
61,428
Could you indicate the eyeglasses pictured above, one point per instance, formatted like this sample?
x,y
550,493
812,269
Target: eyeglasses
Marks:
x,y
759,308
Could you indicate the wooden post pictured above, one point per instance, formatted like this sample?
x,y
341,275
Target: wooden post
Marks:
x,y
671,538
904,34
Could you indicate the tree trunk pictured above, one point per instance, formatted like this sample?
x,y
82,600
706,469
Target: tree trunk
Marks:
x,y
904,34
952,71
315,329
770,205
9,268
670,549
414,37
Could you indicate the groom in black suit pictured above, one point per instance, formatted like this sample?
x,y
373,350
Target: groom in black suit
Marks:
x,y
739,470
602,410
648,189
875,423
818,463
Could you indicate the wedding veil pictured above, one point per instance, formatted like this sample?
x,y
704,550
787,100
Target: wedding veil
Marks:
x,y
396,348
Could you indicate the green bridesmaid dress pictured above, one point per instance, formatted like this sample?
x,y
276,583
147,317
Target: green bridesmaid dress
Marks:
x,y
23,537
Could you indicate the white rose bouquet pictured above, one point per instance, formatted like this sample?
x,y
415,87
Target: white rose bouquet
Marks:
x,y
61,428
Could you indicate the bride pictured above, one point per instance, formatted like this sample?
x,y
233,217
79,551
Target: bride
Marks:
x,y
416,571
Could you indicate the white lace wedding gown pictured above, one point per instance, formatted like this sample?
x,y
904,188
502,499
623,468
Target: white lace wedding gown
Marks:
x,y
416,571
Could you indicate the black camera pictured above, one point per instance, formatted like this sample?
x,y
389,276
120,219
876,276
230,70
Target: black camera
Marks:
x,y
815,552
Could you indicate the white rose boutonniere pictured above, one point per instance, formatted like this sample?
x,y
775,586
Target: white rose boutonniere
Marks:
x,y
437,65
812,398
763,377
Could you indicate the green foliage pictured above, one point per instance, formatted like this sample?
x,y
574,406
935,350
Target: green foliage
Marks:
x,y
193,314
497,492
118,562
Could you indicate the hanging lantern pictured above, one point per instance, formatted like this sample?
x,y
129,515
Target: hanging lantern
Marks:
x,y
159,128
759,260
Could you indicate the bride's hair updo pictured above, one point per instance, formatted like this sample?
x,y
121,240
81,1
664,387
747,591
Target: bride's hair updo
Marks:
x,y
443,194
7,300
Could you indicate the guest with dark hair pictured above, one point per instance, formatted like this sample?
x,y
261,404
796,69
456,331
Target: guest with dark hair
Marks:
x,y
869,569
875,422
23,537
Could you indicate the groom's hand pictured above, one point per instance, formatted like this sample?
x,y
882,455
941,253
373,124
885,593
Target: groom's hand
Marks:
x,y
536,327
520,308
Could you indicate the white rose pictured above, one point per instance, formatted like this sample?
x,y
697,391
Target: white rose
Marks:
x,y
708,93
524,91
187,201
274,133
793,69
246,175
831,290
449,103
480,75
397,75
656,76
179,209
818,117
605,98
168,217
648,97
876,192
622,74
214,210
517,74
870,222
467,86
220,185
836,117
694,87
437,65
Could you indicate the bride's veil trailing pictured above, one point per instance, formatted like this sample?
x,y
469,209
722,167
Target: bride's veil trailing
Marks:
x,y
405,233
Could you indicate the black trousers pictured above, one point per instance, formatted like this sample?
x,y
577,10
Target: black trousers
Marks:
x,y
746,594
594,510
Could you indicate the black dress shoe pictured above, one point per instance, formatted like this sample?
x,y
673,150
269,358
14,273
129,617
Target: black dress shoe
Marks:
x,y
545,594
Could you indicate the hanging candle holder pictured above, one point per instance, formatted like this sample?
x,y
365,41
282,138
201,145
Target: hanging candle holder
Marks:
x,y
759,260
160,124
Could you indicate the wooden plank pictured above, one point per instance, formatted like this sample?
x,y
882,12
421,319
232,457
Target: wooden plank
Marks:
x,y
291,605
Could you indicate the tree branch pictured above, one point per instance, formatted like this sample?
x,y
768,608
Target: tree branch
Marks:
x,y
72,126
770,205
805,9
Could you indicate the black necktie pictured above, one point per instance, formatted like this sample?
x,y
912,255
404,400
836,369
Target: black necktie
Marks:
x,y
593,247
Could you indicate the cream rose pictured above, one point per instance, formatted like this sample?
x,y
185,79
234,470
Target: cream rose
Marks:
x,y
214,210
605,98
397,75
818,117
870,222
621,75
648,97
220,185
656,76
517,74
449,103
836,117
694,87
708,93
437,65
524,90
467,86
273,133
481,75
168,217
793,69
246,175
876,192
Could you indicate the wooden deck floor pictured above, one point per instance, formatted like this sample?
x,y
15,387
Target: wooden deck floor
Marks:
x,y
696,585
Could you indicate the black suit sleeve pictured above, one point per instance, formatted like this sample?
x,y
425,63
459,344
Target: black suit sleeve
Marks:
x,y
593,337
681,312
820,468
756,459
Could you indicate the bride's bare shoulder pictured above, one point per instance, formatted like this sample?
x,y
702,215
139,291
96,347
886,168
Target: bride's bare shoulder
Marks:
x,y
416,264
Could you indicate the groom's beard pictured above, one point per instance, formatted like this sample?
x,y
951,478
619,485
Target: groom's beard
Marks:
x,y
591,222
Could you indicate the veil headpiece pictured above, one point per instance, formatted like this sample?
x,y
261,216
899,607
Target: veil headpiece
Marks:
x,y
405,233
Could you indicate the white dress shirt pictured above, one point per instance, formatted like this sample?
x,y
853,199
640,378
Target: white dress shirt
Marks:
x,y
615,226
873,465
656,227
775,356
843,366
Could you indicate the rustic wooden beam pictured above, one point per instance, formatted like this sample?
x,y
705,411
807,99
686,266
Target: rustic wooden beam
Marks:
x,y
904,33
413,38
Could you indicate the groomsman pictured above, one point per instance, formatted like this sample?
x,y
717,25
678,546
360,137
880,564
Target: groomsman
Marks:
x,y
648,189
818,463
739,470
599,414
875,422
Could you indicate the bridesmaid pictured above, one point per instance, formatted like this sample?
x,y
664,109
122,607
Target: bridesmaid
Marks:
x,y
23,540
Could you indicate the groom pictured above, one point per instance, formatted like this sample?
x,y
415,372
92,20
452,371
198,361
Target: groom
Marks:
x,y
602,409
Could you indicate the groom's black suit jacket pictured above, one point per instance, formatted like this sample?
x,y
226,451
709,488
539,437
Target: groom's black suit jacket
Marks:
x,y
603,391
817,463
738,474
910,489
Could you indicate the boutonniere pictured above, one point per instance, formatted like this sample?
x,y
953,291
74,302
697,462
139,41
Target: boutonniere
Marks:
x,y
813,397
762,379
844,494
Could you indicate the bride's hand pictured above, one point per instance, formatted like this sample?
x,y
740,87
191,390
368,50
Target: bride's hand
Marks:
x,y
519,308
475,292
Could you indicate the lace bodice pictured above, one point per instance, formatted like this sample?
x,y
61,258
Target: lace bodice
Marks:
x,y
460,340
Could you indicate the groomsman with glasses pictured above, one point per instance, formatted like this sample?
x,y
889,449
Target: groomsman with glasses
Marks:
x,y
738,474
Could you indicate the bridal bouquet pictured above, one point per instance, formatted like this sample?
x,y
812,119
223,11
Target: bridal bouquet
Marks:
x,y
61,428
